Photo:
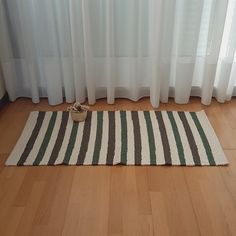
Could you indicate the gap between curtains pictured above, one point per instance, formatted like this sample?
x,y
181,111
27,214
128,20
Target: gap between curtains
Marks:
x,y
81,49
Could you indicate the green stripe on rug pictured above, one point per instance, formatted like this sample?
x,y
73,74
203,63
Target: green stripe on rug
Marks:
x,y
204,138
137,138
177,138
151,139
71,143
164,138
123,137
111,138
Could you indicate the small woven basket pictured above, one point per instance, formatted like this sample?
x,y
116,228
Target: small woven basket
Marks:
x,y
78,112
78,116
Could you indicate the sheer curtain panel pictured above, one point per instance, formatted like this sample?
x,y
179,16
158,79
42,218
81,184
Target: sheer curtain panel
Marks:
x,y
81,49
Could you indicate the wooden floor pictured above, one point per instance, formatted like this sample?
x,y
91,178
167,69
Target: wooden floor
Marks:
x,y
118,200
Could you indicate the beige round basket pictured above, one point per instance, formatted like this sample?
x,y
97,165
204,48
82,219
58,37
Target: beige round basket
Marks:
x,y
78,116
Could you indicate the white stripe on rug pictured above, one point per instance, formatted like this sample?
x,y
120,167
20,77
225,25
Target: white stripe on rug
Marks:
x,y
117,157
130,139
91,144
24,137
145,150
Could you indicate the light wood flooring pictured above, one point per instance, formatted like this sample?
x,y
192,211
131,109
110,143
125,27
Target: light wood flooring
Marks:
x,y
83,200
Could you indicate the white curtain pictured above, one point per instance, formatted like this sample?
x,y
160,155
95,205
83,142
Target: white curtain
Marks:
x,y
81,49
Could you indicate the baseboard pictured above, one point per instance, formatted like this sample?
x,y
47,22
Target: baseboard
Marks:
x,y
4,100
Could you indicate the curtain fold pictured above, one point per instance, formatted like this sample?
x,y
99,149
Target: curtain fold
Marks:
x,y
89,49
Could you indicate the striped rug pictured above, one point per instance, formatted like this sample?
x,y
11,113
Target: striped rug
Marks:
x,y
120,137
